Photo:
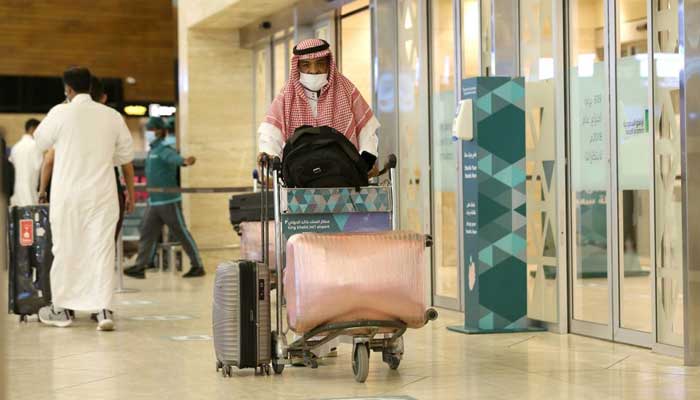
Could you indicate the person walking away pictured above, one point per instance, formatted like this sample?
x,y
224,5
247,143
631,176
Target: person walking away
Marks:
x,y
26,159
88,138
97,94
162,164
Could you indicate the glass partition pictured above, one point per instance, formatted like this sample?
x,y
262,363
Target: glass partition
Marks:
x,y
634,167
444,161
356,50
589,130
470,38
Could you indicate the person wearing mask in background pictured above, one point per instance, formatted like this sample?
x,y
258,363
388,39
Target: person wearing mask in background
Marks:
x,y
88,139
26,159
317,94
162,164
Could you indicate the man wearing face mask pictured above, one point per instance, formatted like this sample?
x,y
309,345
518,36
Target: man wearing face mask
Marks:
x,y
318,95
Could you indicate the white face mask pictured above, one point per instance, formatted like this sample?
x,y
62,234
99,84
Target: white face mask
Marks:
x,y
313,82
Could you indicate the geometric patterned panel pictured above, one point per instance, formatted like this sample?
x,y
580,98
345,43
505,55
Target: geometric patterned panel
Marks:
x,y
667,172
496,289
541,201
337,200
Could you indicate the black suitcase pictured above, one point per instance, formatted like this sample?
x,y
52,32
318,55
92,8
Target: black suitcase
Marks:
x,y
247,207
30,260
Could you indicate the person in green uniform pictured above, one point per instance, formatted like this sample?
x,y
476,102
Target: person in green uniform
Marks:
x,y
162,165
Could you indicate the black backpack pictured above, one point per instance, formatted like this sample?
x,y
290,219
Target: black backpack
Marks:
x,y
321,157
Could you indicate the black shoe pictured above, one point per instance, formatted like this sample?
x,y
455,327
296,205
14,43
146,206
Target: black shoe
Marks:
x,y
136,271
194,272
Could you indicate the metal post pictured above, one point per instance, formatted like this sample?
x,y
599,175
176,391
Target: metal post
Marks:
x,y
281,339
120,268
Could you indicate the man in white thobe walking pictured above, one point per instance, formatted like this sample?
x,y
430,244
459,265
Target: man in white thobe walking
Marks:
x,y
89,139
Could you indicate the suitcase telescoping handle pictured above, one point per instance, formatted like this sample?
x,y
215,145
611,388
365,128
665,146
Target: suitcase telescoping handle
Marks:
x,y
264,183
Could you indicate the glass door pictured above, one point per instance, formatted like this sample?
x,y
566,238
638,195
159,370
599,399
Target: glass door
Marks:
x,y
633,280
611,170
589,153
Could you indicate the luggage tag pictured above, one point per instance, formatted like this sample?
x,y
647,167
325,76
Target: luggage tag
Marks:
x,y
26,232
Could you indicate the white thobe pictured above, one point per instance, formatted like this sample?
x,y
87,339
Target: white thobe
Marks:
x,y
271,141
89,139
26,158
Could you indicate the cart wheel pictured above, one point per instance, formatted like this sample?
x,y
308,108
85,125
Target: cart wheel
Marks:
x,y
393,361
313,363
219,365
277,367
360,362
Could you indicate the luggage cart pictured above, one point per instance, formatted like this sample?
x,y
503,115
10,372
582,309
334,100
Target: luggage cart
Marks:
x,y
313,210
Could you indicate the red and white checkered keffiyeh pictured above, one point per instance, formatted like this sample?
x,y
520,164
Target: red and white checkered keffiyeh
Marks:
x,y
340,104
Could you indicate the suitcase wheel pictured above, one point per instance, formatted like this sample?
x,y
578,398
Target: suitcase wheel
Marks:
x,y
226,371
263,369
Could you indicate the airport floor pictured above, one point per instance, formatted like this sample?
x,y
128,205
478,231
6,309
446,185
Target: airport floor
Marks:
x,y
149,357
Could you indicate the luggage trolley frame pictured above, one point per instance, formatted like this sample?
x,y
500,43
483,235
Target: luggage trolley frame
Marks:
x,y
385,336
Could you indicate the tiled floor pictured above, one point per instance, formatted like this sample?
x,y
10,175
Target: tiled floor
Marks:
x,y
141,361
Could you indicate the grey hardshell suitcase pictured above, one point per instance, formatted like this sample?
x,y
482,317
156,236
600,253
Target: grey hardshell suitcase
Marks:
x,y
241,316
241,309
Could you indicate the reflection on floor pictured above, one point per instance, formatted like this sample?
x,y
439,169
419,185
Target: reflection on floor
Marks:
x,y
142,360
592,301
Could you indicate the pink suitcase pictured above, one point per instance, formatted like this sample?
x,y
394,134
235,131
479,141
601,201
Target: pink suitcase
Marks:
x,y
355,276
251,244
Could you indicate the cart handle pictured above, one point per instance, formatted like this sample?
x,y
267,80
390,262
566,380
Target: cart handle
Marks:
x,y
390,164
